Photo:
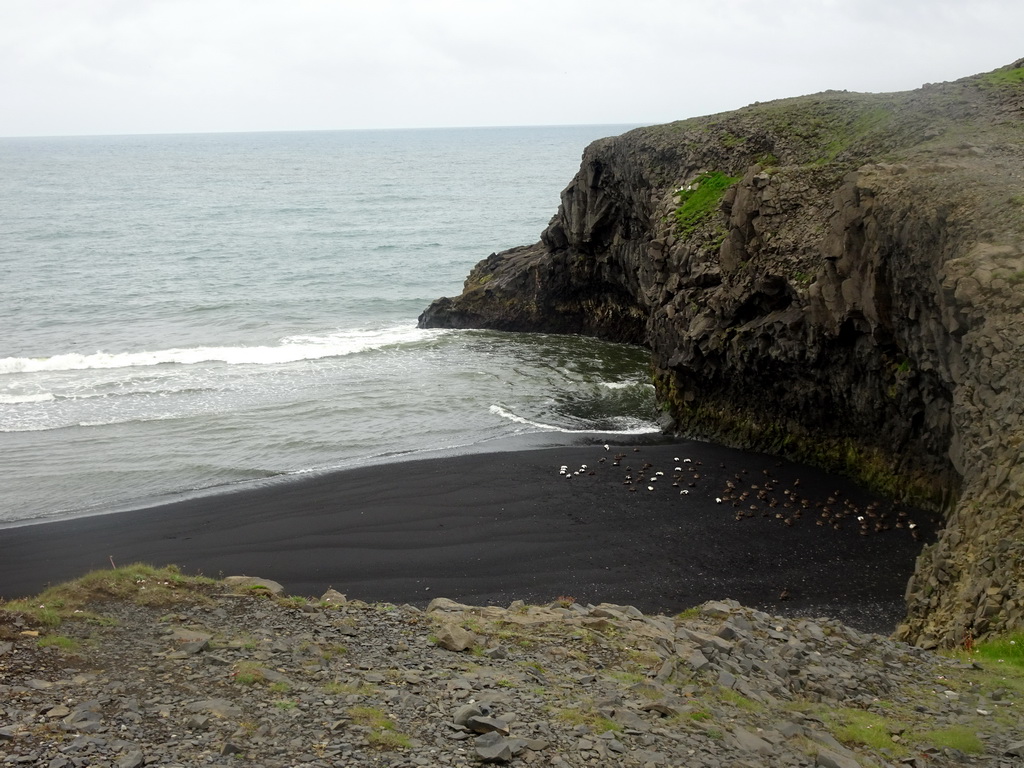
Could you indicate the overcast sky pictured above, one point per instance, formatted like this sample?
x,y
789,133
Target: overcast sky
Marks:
x,y
70,67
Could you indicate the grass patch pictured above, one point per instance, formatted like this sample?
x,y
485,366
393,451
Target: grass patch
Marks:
x,y
700,199
955,737
739,701
689,613
137,583
629,678
1007,649
331,651
731,140
1003,78
371,717
248,673
858,726
802,278
58,641
389,740
285,704
596,722
383,734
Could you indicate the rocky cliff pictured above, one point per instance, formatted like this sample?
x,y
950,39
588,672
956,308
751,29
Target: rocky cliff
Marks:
x,y
838,278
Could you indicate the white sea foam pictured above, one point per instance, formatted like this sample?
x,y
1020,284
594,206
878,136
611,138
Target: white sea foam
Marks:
x,y
628,426
506,414
622,384
290,349
41,397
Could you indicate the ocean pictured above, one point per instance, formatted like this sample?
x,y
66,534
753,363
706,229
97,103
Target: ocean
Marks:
x,y
183,314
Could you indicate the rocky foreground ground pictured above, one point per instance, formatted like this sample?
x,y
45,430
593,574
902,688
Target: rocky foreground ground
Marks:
x,y
144,667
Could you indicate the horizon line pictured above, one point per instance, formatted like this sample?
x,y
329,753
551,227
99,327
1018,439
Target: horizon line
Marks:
x,y
320,130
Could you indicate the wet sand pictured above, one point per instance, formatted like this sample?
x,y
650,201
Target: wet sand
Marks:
x,y
494,527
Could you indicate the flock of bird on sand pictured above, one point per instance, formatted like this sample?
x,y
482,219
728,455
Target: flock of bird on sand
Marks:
x,y
765,498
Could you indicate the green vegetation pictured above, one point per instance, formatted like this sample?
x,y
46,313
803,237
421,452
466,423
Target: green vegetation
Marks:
x,y
739,700
331,651
58,641
136,583
629,678
382,731
285,704
700,199
1007,649
588,717
389,740
844,135
249,673
1003,78
689,613
954,737
731,140
858,726
370,717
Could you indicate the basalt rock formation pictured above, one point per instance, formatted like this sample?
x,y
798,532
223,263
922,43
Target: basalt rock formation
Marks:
x,y
838,278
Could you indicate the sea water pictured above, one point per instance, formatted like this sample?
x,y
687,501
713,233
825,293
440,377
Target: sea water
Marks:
x,y
186,313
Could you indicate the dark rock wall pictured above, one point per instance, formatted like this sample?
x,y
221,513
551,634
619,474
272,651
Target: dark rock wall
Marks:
x,y
854,301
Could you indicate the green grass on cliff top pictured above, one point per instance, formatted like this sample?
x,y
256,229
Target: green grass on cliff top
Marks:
x,y
700,199
1002,78
138,583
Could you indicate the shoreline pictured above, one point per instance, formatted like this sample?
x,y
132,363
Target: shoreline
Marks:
x,y
495,526
501,444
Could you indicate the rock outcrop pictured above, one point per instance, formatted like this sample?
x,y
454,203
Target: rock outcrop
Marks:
x,y
838,278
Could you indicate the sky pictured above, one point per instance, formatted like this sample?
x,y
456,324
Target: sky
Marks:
x,y
79,67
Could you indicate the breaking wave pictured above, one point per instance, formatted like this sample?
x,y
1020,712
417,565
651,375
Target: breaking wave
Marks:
x,y
289,350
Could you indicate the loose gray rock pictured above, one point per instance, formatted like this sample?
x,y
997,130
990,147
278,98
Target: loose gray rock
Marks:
x,y
466,711
333,597
487,724
133,759
1015,750
218,707
455,638
829,759
246,583
493,748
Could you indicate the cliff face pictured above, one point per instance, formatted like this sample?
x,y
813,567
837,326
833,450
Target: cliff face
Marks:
x,y
838,278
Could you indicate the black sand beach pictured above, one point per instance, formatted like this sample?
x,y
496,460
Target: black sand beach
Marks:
x,y
495,527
